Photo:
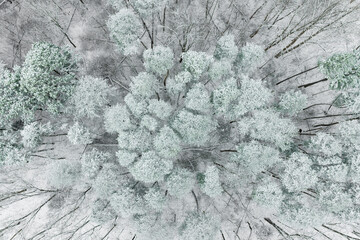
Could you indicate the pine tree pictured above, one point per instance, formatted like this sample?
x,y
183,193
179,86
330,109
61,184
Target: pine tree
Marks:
x,y
48,76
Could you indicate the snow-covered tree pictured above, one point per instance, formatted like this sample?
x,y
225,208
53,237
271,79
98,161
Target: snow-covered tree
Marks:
x,y
155,198
178,83
342,69
269,193
198,99
196,63
126,202
180,182
194,129
158,60
226,48
199,226
324,143
32,134
212,186
63,174
14,104
266,125
220,69
125,30
79,134
292,102
256,157
249,58
108,181
136,105
150,167
167,143
135,140
117,118
160,108
144,85
90,96
102,212
298,174
48,76
125,157
148,7
92,162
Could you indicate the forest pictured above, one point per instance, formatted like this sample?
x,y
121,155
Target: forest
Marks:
x,y
180,119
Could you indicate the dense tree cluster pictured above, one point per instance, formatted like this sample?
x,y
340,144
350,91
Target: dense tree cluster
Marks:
x,y
192,134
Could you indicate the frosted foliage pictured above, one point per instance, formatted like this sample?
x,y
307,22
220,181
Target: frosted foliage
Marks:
x,y
125,29
102,211
326,144
349,132
298,174
149,122
155,199
31,134
299,215
138,107
10,155
167,143
199,226
144,85
354,104
125,202
256,157
195,129
160,108
196,63
117,118
135,140
48,75
180,182
292,102
92,162
212,186
107,181
125,157
178,83
355,168
149,7
158,60
90,96
249,57
266,125
117,4
198,99
269,193
78,134
226,48
334,197
336,173
325,160
342,70
64,174
150,168
253,95
12,104
225,97
158,231
220,69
